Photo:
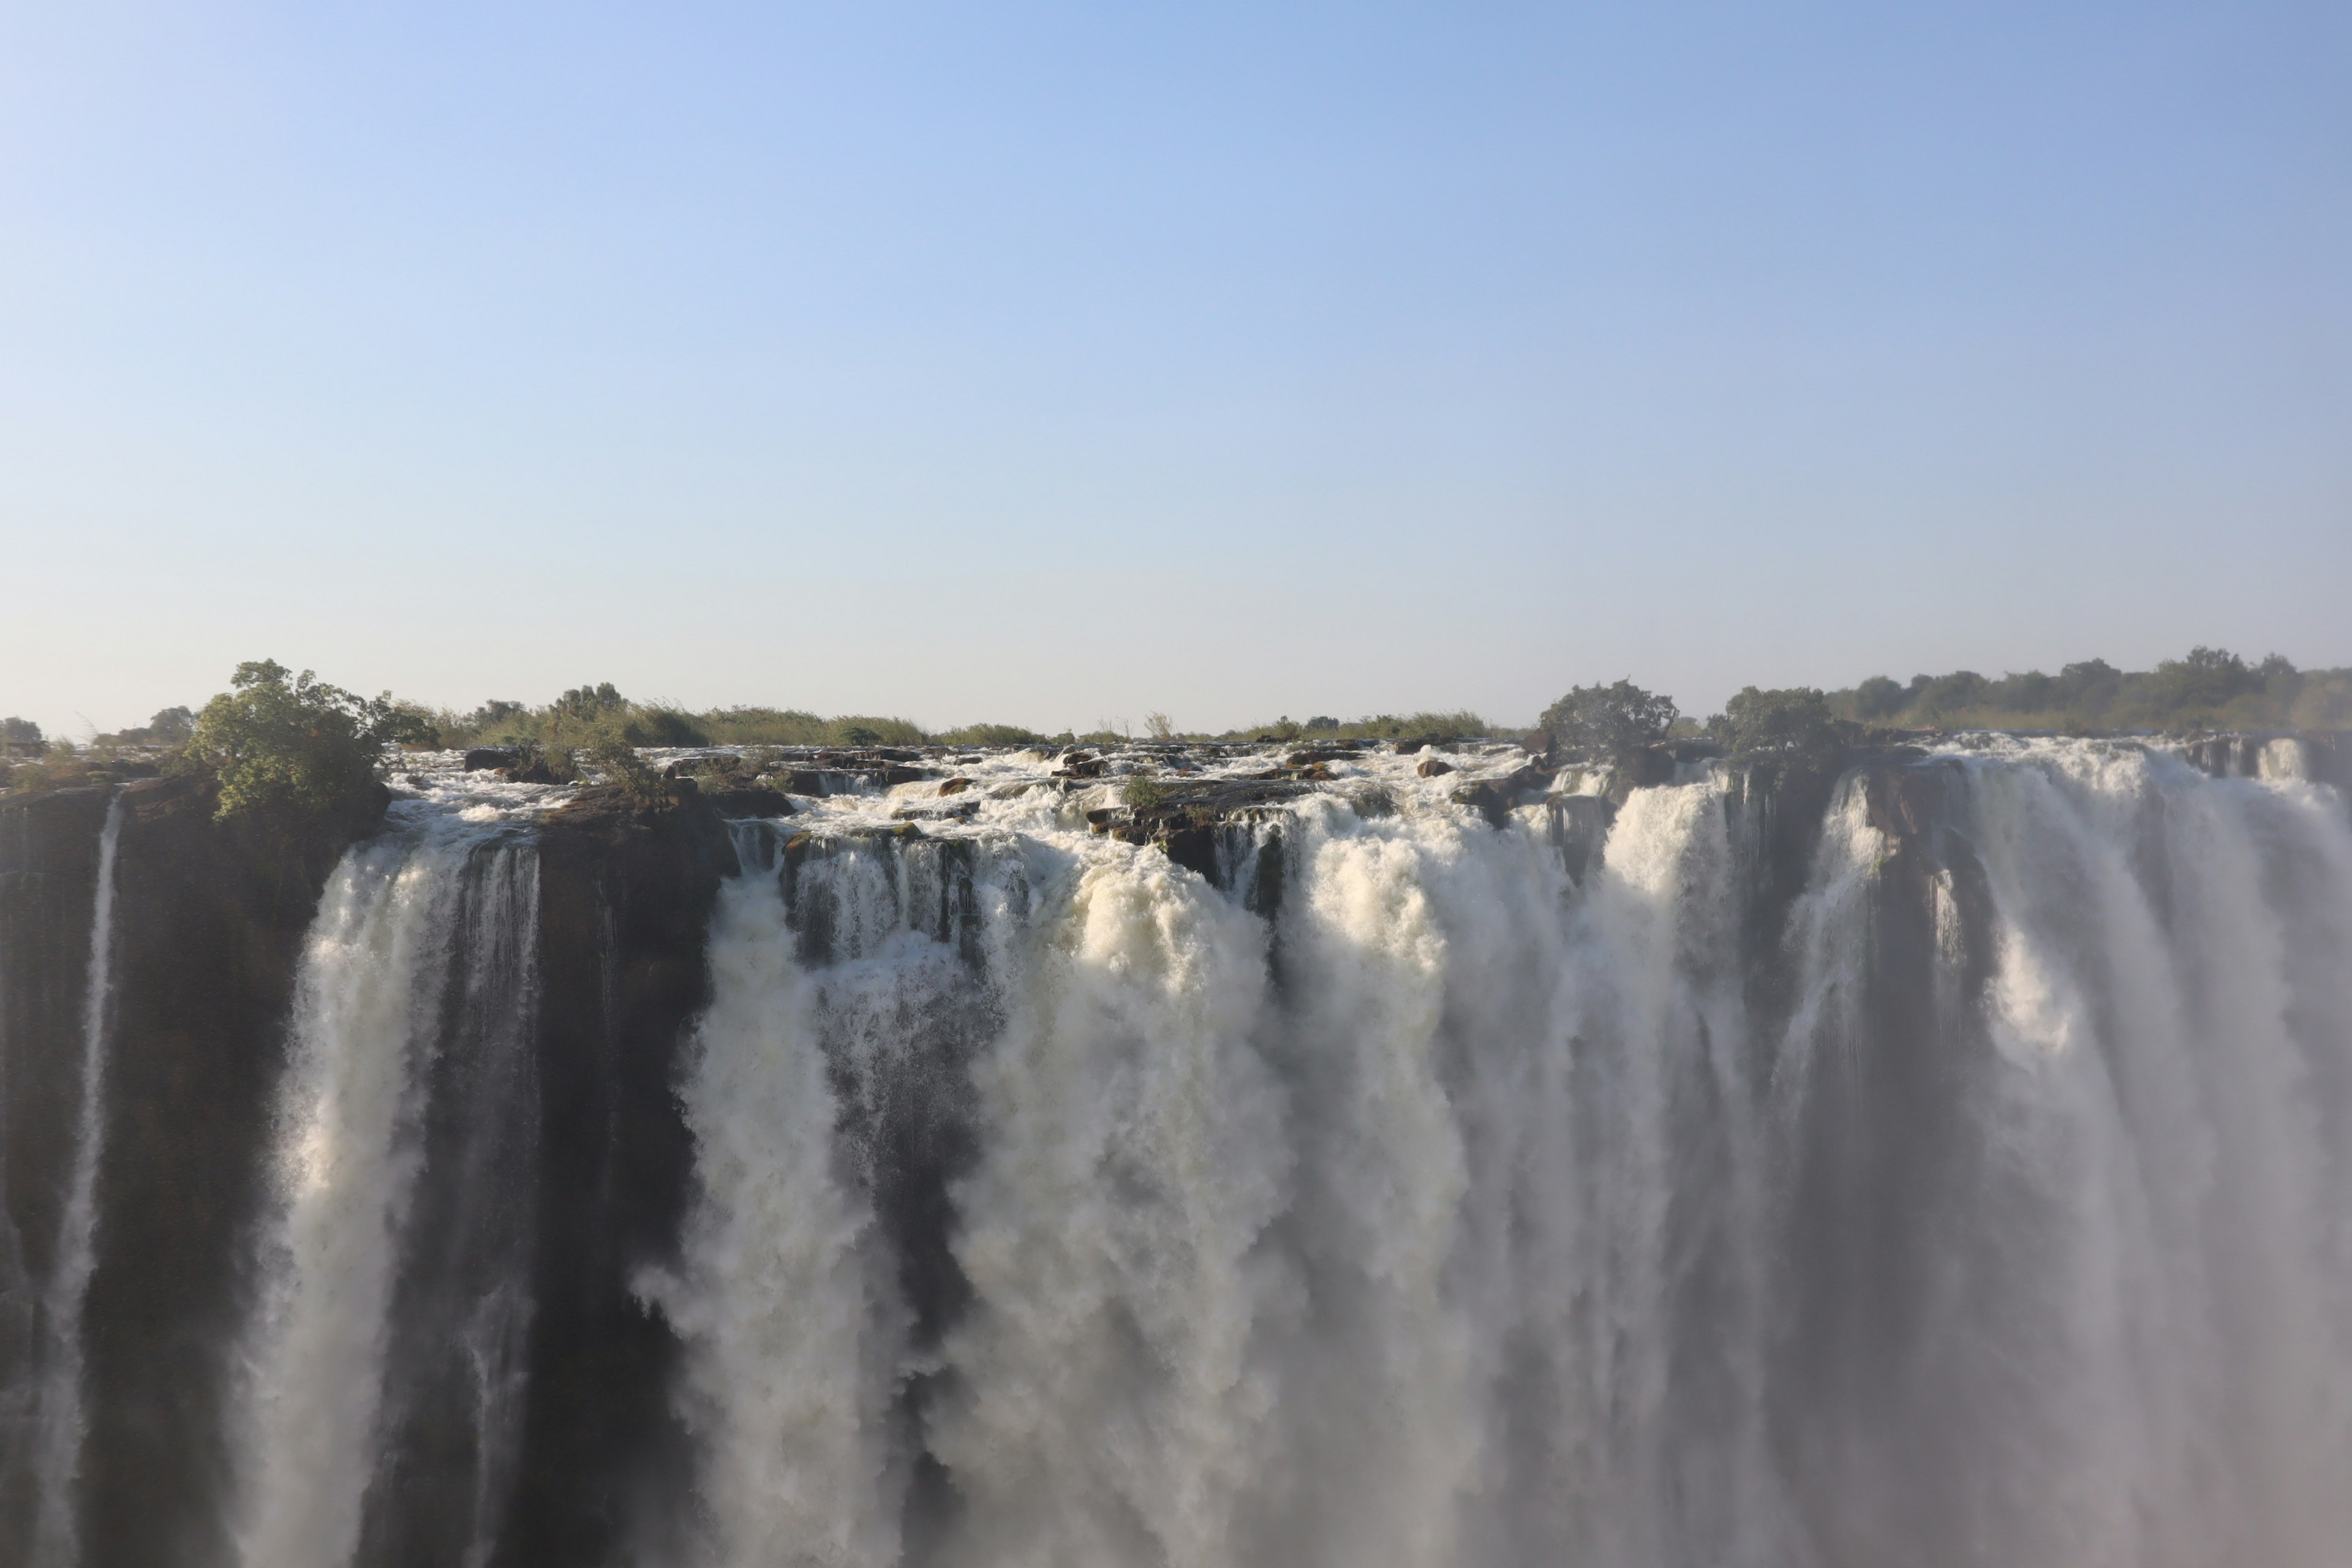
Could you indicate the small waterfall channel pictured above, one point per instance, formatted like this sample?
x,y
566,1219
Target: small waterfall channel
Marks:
x,y
409,1045
57,1440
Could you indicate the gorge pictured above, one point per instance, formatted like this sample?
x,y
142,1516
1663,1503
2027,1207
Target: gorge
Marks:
x,y
1191,1153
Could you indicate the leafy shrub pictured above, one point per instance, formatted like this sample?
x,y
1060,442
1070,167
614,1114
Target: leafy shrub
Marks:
x,y
991,735
1144,793
1609,721
1879,698
589,702
21,738
535,763
2208,689
661,725
1792,729
282,742
631,774
62,765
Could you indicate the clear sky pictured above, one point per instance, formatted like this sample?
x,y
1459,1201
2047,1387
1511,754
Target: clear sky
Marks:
x,y
1052,363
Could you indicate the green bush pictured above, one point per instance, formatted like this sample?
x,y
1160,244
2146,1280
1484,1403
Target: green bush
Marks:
x,y
278,742
2208,689
1792,728
990,736
631,774
1424,727
62,765
1614,722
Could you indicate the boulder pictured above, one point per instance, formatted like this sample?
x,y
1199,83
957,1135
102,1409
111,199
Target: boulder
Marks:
x,y
1433,767
739,801
481,758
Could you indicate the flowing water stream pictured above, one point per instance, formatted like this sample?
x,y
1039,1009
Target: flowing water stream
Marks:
x,y
1414,1192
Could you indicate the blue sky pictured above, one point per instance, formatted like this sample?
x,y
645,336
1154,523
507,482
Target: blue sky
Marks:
x,y
1057,363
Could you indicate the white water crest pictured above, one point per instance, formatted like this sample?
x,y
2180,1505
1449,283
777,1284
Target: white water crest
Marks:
x,y
58,1439
1115,1401
367,1018
1416,1192
1988,1203
790,1333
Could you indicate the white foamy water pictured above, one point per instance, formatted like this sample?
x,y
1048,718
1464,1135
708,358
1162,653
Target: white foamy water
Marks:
x,y
367,1018
1467,1212
57,1535
1419,1194
791,1337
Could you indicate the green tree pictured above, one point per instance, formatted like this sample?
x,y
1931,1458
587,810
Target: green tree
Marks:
x,y
278,742
1880,697
171,726
21,738
589,701
1791,728
1610,722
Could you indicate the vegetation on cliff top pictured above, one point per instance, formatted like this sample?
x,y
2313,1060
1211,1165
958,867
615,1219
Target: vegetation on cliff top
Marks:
x,y
280,742
2209,689
1609,724
595,715
295,742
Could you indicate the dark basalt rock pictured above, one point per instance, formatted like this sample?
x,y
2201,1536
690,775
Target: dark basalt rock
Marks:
x,y
481,758
2326,756
748,800
626,886
1579,828
1494,799
1433,767
955,786
209,919
535,771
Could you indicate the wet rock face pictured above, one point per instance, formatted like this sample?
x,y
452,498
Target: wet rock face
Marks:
x,y
209,919
2321,757
49,870
209,926
1494,799
625,893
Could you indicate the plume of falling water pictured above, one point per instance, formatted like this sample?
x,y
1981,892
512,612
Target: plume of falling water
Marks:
x,y
1115,1407
454,1367
59,1440
790,1333
367,1011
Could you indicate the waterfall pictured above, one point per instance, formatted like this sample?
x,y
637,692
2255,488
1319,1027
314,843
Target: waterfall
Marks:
x,y
56,1462
1466,1211
1959,1175
1113,1405
370,1020
791,1332
2065,1263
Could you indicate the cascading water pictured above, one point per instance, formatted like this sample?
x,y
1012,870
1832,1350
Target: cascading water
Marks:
x,y
1476,1218
375,1011
1407,1184
791,1335
57,1462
